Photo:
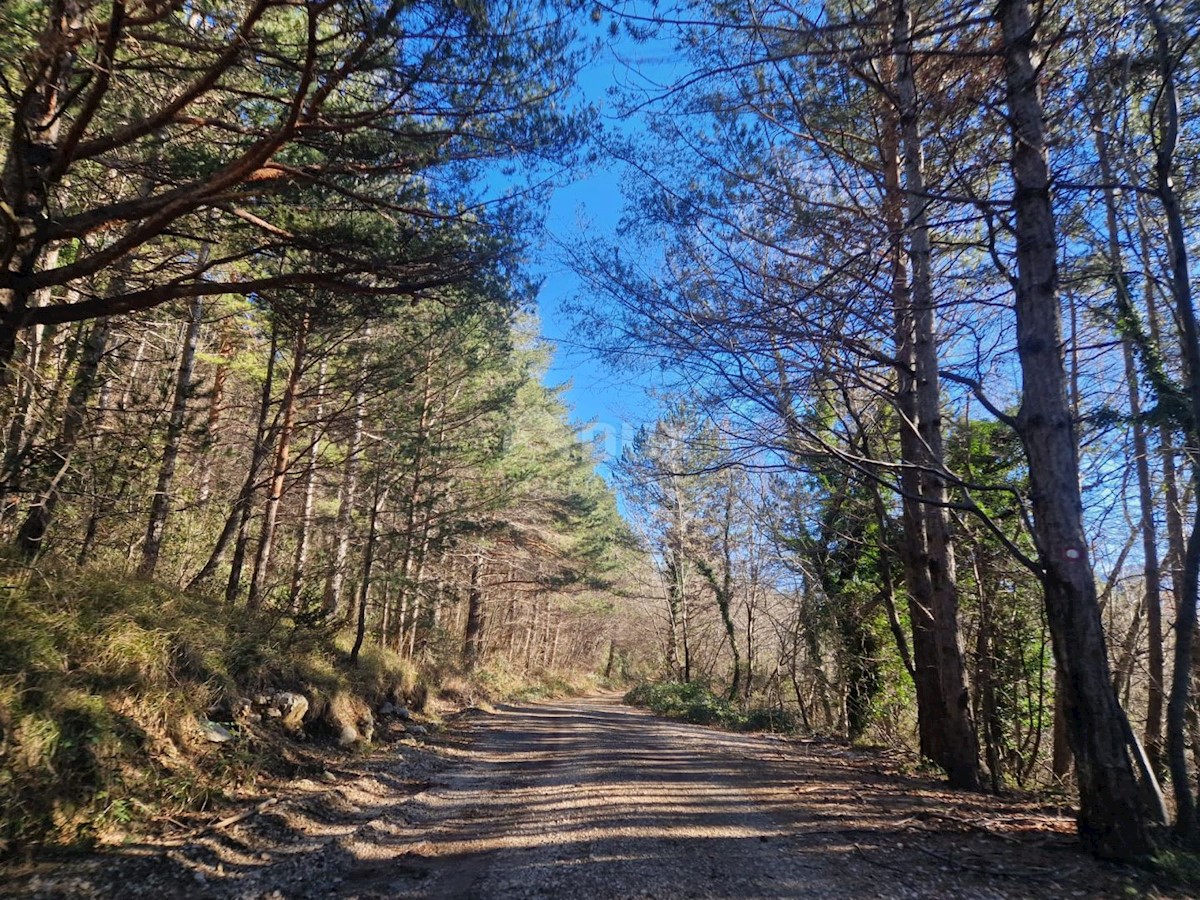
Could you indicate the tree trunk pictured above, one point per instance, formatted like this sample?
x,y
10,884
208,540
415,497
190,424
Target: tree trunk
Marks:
x,y
26,426
534,622
959,744
945,737
32,351
989,713
364,592
245,501
342,527
412,505
1151,572
37,521
216,401
552,661
1147,523
1173,561
886,591
160,507
472,639
1178,277
723,588
752,594
26,181
304,538
428,611
674,585
677,584
723,592
385,613
1111,822
283,448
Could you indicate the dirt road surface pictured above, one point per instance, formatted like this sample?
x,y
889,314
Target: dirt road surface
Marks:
x,y
591,799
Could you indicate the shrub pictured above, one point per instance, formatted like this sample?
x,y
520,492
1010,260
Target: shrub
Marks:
x,y
770,718
695,702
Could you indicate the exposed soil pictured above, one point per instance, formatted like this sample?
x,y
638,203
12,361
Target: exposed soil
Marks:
x,y
593,799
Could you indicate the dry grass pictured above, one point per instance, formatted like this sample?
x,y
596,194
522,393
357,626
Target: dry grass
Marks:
x,y
103,680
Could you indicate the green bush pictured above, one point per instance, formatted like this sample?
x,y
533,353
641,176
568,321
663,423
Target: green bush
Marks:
x,y
770,718
1178,868
695,702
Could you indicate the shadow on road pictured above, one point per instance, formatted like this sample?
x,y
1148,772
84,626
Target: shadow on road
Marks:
x,y
592,799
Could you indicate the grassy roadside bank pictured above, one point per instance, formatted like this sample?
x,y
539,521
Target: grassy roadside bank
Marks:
x,y
123,703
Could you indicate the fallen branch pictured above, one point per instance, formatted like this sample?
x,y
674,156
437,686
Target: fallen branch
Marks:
x,y
975,826
223,823
233,820
995,873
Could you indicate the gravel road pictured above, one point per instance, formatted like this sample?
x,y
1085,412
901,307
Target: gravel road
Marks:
x,y
592,799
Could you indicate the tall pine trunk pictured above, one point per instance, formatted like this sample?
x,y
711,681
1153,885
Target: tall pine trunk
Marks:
x,y
304,537
283,447
1111,821
1147,523
473,636
364,593
722,587
216,405
1179,280
346,496
409,597
239,519
957,741
160,506
37,521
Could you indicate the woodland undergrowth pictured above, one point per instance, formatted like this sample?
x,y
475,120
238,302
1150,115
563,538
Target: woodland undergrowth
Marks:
x,y
696,702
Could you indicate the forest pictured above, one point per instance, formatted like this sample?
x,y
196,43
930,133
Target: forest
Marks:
x,y
276,412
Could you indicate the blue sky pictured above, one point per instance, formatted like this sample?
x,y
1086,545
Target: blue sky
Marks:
x,y
614,400
611,400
